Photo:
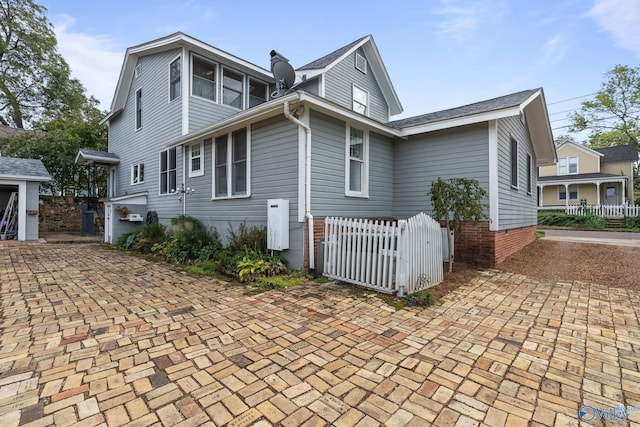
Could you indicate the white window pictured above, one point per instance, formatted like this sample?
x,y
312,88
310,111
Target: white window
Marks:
x,y
196,159
137,173
168,173
529,172
232,84
203,78
361,63
357,159
258,92
360,101
568,165
231,159
174,79
573,192
138,109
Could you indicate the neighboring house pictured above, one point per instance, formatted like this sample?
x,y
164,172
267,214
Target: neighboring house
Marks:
x,y
191,121
603,176
20,193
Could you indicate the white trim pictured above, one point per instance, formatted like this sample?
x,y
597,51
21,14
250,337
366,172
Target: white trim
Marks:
x,y
581,147
185,82
190,158
133,165
568,192
24,178
132,199
364,184
302,165
530,179
248,80
494,188
169,190
568,166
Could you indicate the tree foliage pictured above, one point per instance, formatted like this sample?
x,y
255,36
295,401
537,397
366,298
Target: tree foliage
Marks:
x,y
460,197
35,82
613,116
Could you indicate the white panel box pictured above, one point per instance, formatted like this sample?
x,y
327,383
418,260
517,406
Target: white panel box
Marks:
x,y
278,224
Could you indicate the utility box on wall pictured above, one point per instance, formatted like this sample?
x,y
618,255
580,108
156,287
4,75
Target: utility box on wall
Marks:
x,y
278,224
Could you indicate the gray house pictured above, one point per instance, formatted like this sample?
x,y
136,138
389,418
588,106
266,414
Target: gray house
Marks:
x,y
196,129
20,197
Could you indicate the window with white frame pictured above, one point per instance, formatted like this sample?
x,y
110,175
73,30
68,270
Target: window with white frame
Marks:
x,y
174,79
196,159
360,100
232,84
138,109
568,165
137,173
203,78
168,169
357,154
514,163
258,92
231,165
573,192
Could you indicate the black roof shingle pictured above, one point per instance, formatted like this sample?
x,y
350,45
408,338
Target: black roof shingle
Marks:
x,y
30,168
621,153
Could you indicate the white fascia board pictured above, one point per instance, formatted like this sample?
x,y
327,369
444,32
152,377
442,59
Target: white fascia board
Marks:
x,y
494,185
19,178
132,199
461,121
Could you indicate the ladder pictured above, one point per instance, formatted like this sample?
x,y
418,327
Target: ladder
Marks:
x,y
8,225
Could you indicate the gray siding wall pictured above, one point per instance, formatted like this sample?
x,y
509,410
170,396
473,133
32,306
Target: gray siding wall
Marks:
x,y
161,123
328,172
455,153
340,79
203,112
274,175
311,86
516,207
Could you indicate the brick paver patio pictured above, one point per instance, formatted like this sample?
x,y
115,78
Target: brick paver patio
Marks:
x,y
93,336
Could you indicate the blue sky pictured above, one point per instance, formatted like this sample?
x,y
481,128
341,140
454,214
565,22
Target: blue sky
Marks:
x,y
439,53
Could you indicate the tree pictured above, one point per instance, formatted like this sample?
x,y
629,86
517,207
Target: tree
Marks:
x,y
35,83
460,197
613,115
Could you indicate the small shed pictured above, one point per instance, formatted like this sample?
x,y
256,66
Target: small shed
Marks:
x,y
20,197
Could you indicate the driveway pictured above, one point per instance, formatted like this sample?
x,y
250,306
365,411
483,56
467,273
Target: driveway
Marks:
x,y
93,336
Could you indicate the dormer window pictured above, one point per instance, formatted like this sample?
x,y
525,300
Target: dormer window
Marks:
x,y
361,63
232,88
204,79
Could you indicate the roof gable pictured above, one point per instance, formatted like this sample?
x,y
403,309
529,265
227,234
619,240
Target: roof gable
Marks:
x,y
621,153
579,147
322,65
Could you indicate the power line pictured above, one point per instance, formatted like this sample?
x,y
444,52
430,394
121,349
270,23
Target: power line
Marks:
x,y
571,99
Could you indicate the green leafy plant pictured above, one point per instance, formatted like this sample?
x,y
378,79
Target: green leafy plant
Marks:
x,y
633,222
278,282
421,298
595,222
250,269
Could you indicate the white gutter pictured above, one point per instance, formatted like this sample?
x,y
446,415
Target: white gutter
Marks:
x,y
307,186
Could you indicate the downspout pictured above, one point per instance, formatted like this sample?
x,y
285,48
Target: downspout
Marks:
x,y
307,185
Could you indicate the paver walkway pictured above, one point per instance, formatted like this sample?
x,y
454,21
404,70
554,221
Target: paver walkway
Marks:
x,y
93,336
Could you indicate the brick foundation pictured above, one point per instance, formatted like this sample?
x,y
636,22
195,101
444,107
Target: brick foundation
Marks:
x,y
474,245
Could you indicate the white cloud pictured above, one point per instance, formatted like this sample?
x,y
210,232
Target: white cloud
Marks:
x,y
94,60
464,19
555,49
619,18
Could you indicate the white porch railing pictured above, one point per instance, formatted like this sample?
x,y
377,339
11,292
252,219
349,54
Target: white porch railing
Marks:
x,y
608,211
386,256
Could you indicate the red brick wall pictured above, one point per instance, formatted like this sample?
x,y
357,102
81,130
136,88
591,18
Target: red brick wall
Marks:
x,y
511,241
318,233
60,214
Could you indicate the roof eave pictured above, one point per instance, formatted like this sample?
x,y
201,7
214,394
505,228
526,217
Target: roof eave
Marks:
x,y
537,119
460,121
26,178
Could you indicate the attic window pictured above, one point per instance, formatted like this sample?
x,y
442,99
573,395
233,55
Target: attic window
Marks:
x,y
361,63
137,71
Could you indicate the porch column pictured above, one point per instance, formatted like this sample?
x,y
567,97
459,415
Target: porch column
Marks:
x,y
597,193
623,196
566,194
541,192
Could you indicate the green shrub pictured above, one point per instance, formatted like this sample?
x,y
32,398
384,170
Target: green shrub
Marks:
x,y
148,236
254,238
421,298
632,222
596,222
128,240
203,268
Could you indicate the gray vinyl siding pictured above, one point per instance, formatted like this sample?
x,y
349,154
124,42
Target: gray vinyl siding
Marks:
x,y
274,175
517,208
462,152
339,82
161,123
204,112
328,172
311,86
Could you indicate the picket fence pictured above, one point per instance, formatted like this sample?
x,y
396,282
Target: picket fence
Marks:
x,y
387,256
607,211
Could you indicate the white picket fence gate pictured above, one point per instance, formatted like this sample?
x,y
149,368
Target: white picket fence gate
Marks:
x,y
386,256
607,211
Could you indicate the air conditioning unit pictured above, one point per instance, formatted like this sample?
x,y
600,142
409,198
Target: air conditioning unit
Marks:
x,y
278,224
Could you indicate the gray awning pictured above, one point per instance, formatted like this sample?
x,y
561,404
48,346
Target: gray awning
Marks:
x,y
86,156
